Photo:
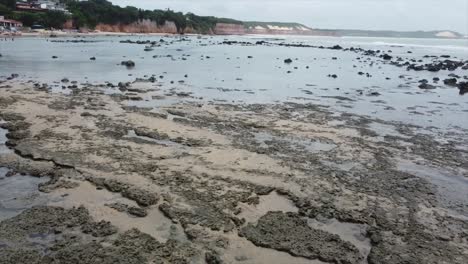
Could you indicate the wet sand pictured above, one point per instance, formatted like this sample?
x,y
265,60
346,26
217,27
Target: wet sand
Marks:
x,y
209,182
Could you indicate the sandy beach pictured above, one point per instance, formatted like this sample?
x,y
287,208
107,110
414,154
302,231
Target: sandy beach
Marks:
x,y
149,171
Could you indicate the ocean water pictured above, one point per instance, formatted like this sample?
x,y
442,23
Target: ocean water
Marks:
x,y
227,74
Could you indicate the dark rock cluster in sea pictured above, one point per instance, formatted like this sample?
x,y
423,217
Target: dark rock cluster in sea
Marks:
x,y
128,63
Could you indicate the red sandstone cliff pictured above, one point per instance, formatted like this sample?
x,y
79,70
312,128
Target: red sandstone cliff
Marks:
x,y
265,29
229,29
142,26
148,26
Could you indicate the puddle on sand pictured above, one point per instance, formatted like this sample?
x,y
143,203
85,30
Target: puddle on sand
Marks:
x,y
271,202
18,193
345,166
452,187
313,146
241,250
385,130
154,224
164,142
353,233
3,139
43,241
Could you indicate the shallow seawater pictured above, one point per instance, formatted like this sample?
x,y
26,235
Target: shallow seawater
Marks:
x,y
96,201
18,193
271,202
227,74
353,233
3,139
310,145
243,251
163,142
452,187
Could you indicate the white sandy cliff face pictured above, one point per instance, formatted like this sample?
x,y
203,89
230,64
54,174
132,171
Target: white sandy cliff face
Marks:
x,y
237,29
445,34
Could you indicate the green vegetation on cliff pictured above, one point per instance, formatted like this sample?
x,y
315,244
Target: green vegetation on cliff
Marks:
x,y
51,19
93,12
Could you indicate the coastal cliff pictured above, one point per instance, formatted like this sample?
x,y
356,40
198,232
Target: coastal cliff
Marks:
x,y
142,26
169,27
229,29
266,28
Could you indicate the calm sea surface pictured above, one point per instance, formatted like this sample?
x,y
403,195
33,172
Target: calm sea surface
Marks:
x,y
229,75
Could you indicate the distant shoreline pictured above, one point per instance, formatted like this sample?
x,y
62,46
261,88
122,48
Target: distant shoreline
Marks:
x,y
59,33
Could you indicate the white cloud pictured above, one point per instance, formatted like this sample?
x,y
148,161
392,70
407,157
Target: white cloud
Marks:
x,y
355,14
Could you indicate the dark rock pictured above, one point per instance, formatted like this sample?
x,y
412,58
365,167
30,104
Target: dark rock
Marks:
x,y
123,86
99,229
290,233
142,197
129,63
288,61
453,75
336,47
450,82
386,57
137,211
426,86
463,86
212,258
131,210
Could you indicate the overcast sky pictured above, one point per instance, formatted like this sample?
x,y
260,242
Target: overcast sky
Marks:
x,y
342,14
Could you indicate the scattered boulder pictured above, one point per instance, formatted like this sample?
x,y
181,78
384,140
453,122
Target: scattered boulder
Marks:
x,y
453,75
426,86
463,86
336,47
450,82
386,57
128,64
